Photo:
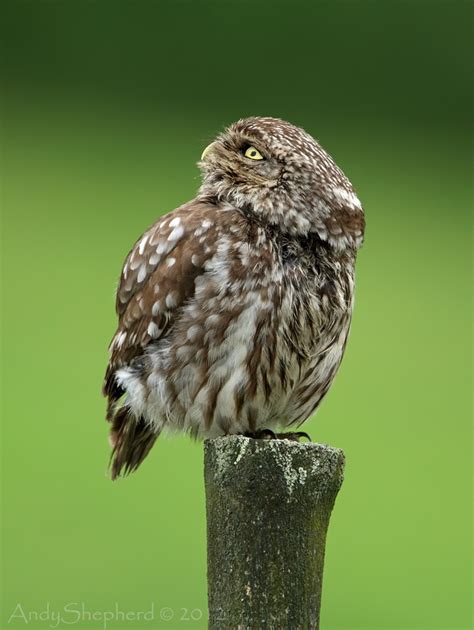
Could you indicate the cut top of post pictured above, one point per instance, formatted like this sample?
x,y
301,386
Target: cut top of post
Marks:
x,y
292,469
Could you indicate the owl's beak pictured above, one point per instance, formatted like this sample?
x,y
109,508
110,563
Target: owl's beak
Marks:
x,y
207,150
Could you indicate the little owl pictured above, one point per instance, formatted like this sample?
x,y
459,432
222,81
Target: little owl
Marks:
x,y
234,309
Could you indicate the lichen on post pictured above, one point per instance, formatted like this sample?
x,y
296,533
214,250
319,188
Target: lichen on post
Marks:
x,y
268,509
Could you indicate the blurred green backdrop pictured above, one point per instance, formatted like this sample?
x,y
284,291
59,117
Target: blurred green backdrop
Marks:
x,y
106,108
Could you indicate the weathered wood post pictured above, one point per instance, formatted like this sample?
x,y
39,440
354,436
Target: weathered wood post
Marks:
x,y
268,509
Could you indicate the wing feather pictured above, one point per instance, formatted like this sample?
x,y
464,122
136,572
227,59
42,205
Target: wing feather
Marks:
x,y
158,277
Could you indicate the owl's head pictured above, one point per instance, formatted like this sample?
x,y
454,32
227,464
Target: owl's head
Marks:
x,y
281,175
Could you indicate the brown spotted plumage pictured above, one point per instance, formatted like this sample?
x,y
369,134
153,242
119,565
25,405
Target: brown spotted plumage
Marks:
x,y
234,309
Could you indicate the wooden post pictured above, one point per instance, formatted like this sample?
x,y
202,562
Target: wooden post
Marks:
x,y
268,509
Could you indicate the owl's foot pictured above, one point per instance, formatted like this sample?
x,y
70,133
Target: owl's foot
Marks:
x,y
295,436
263,434
268,434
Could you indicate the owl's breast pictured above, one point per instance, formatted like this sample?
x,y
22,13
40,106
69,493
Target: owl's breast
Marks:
x,y
314,324
318,290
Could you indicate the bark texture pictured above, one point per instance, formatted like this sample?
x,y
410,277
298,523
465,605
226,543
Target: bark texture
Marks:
x,y
268,509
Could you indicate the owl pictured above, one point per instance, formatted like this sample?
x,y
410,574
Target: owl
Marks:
x,y
234,309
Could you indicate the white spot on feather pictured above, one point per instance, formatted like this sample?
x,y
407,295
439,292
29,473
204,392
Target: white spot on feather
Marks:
x,y
176,234
143,242
171,301
163,247
193,332
153,329
119,339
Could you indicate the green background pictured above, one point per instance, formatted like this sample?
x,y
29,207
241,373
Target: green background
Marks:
x,y
106,109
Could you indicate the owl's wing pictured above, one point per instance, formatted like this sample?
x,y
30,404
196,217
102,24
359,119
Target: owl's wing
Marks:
x,y
157,278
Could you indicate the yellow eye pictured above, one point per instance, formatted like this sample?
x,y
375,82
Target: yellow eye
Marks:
x,y
253,154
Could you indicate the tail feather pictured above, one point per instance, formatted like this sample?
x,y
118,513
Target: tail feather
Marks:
x,y
132,438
